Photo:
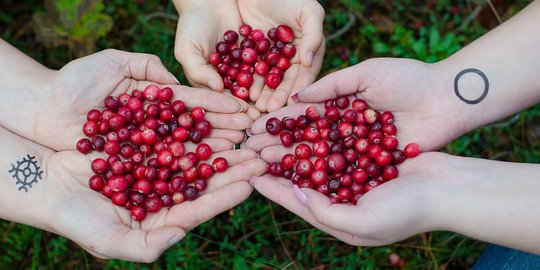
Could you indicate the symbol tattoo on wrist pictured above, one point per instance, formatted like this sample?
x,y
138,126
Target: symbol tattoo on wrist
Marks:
x,y
486,85
26,172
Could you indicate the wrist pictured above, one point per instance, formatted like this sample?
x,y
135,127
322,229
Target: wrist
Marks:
x,y
459,120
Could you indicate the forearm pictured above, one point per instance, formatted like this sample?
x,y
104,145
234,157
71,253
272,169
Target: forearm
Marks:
x,y
494,201
23,85
509,58
22,180
181,5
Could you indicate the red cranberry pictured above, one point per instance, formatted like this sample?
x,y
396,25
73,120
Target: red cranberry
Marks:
x,y
288,161
390,172
336,162
245,79
245,30
96,182
191,193
273,126
304,167
84,146
275,169
302,151
284,33
319,177
286,138
321,148
90,128
359,105
272,80
288,50
138,213
99,166
220,164
261,68
230,36
411,150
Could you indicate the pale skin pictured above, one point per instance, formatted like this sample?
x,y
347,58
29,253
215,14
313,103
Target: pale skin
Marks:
x,y
53,99
62,202
43,112
195,41
488,200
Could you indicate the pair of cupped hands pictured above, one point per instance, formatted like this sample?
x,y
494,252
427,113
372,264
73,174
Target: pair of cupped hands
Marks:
x,y
393,211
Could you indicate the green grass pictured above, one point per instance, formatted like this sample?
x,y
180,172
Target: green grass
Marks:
x,y
259,234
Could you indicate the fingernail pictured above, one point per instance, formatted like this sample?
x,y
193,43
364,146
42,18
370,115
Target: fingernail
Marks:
x,y
212,84
309,58
300,196
294,96
249,133
174,78
251,181
241,108
175,239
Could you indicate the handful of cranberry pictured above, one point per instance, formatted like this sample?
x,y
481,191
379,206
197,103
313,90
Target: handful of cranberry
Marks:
x,y
344,152
147,166
268,56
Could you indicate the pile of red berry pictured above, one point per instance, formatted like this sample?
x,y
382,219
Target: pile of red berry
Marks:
x,y
350,149
267,56
143,135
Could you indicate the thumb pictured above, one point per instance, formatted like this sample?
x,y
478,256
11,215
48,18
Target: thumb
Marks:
x,y
335,216
198,71
340,83
312,34
143,67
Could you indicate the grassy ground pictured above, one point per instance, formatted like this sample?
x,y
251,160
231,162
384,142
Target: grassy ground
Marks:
x,y
259,234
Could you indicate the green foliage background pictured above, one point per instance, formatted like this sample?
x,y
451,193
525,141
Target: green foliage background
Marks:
x,y
259,234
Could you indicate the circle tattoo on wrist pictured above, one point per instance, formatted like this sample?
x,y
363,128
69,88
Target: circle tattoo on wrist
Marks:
x,y
486,85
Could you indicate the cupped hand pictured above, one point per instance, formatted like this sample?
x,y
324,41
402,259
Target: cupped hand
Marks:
x,y
415,92
388,213
305,17
107,231
83,84
200,27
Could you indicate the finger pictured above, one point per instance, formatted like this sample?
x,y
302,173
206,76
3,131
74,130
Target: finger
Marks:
x,y
193,61
141,66
312,33
282,92
138,245
234,136
208,100
261,102
239,172
340,83
280,191
253,113
261,141
342,217
307,75
236,121
275,153
256,89
190,214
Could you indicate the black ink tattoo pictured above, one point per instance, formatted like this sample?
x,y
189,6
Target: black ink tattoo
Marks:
x,y
486,85
26,172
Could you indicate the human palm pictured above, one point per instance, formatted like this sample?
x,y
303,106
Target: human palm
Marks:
x,y
305,17
200,28
83,84
390,212
105,230
408,88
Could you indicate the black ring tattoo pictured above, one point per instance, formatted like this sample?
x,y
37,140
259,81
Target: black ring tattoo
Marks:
x,y
482,75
